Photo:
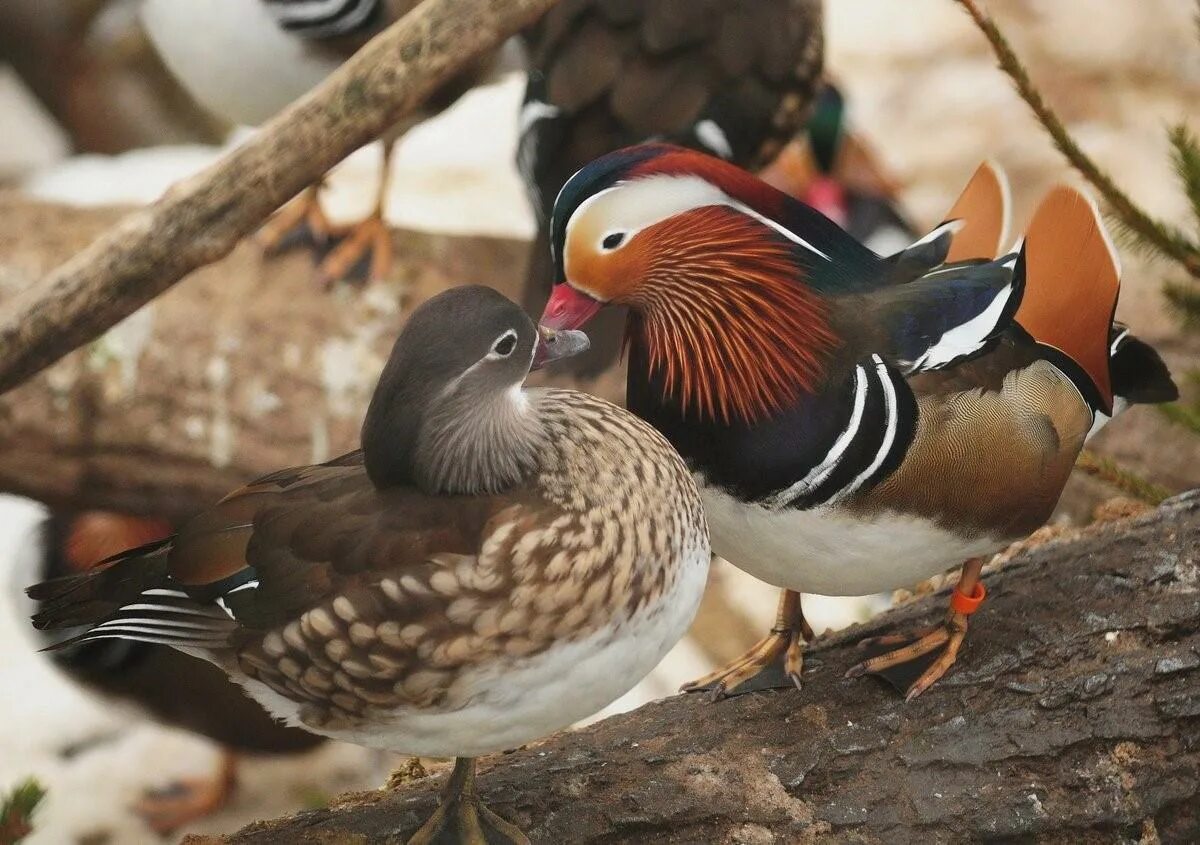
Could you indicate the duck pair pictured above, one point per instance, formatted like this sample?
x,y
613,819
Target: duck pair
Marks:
x,y
497,562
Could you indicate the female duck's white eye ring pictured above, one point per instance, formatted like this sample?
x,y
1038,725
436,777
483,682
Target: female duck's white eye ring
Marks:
x,y
612,240
504,345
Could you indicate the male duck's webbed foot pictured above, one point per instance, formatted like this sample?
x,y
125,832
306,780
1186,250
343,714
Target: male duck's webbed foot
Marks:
x,y
914,662
774,662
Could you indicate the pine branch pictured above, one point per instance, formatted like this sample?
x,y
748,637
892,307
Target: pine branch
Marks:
x,y
16,810
1185,155
1112,473
1166,238
1184,301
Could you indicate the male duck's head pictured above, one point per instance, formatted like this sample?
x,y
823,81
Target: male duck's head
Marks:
x,y
716,285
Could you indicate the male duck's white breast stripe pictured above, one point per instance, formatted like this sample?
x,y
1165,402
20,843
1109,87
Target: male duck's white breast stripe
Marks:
x,y
892,411
863,427
817,475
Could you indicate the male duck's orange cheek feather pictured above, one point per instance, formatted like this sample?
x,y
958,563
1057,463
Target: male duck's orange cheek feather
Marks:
x,y
607,276
724,315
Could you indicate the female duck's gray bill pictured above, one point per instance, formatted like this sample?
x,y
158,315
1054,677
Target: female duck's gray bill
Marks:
x,y
555,345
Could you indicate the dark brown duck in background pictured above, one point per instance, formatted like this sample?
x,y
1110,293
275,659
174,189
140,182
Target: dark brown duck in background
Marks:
x,y
166,686
732,78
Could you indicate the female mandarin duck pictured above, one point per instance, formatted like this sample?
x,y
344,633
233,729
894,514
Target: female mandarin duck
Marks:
x,y
494,564
856,424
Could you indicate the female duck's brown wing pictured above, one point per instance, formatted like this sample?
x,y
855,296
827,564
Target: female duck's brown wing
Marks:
x,y
303,535
342,597
271,550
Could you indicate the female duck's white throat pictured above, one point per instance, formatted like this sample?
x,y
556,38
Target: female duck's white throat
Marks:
x,y
479,442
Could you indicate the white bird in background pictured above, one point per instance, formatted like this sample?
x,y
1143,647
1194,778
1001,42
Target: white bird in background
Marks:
x,y
245,60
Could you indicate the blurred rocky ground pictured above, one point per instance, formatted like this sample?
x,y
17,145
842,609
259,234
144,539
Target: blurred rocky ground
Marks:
x,y
922,85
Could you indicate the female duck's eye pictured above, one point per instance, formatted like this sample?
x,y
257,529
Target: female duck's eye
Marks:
x,y
505,345
613,240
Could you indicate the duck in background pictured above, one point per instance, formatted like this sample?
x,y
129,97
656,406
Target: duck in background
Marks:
x,y
245,60
834,169
493,565
156,681
730,79
856,423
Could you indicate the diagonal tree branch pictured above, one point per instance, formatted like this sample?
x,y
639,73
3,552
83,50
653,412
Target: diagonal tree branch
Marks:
x,y
203,218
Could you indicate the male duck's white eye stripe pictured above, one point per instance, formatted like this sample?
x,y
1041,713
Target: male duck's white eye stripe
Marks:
x,y
652,199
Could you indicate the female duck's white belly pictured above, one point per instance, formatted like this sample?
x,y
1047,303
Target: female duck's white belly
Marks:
x,y
510,703
831,553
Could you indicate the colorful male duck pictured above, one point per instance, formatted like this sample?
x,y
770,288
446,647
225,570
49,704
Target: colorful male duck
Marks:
x,y
494,564
856,424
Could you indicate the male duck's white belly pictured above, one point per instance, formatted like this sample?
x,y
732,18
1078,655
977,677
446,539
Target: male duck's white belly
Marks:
x,y
832,553
511,703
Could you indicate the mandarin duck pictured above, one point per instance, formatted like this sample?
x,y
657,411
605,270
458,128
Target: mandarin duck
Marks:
x,y
856,424
834,170
245,60
158,682
494,564
733,79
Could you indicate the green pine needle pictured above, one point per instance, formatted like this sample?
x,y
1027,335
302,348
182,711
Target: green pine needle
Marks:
x,y
16,810
1184,300
1122,479
1185,155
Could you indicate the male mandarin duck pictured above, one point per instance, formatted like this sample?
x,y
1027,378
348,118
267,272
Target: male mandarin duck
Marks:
x,y
494,564
245,60
157,681
856,424
733,79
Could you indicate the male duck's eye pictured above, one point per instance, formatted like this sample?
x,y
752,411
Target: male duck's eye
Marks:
x,y
613,240
505,345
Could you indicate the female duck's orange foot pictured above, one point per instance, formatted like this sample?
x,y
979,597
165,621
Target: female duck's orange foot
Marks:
x,y
363,253
167,810
299,224
774,662
924,656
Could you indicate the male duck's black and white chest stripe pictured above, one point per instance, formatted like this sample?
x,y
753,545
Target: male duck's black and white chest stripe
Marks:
x,y
824,450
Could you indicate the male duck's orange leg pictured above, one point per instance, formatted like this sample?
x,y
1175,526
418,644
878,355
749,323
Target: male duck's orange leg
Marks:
x,y
188,800
299,223
758,668
365,248
899,666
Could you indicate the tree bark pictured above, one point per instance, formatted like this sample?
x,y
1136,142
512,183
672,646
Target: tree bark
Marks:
x,y
1072,716
247,368
203,218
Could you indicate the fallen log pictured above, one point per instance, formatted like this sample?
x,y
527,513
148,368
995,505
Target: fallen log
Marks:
x,y
1073,716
